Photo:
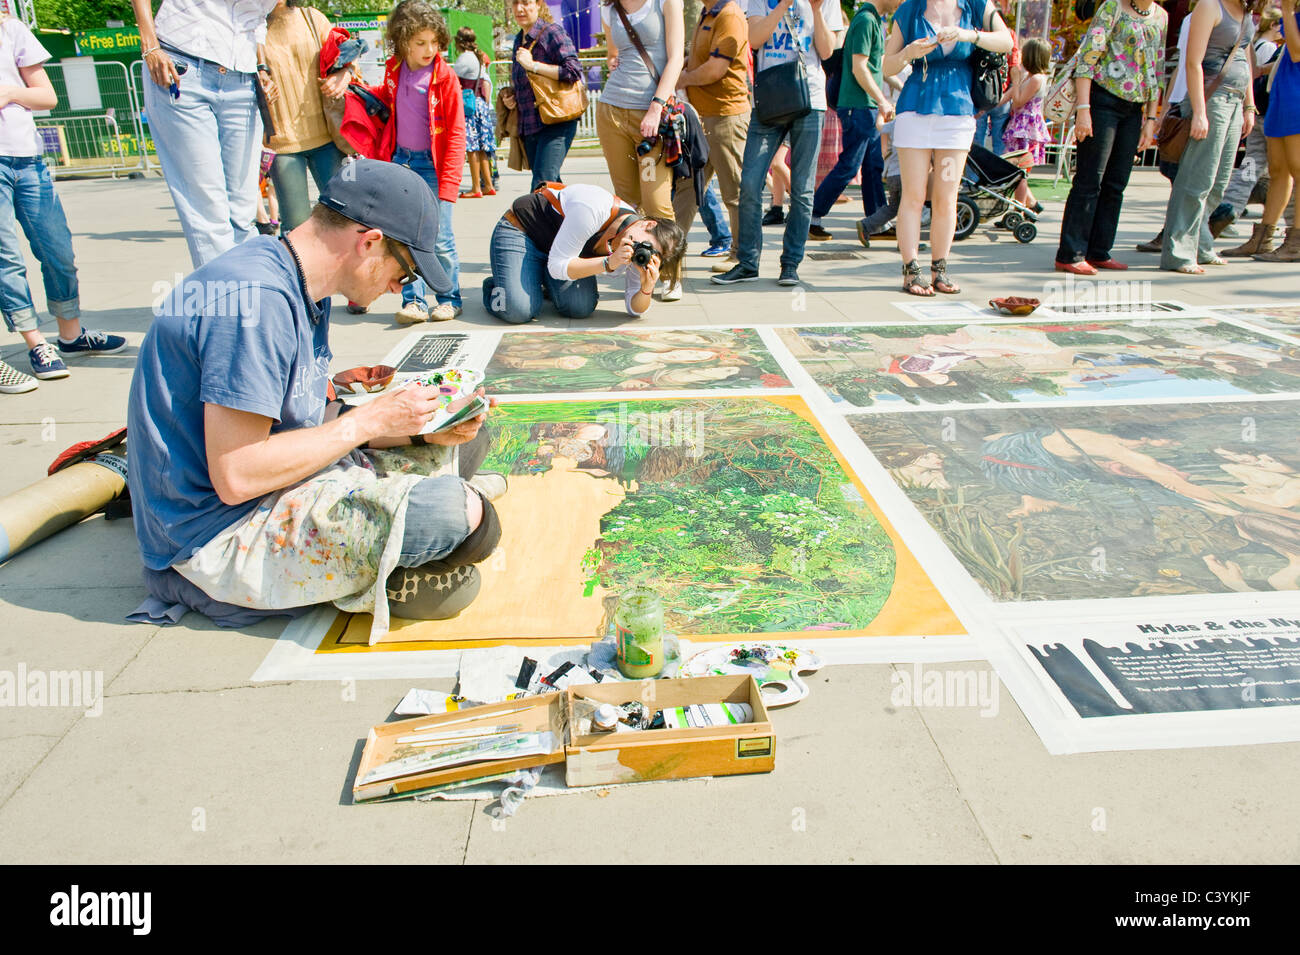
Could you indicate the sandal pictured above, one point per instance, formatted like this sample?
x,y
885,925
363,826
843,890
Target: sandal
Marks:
x,y
939,278
1214,260
912,283
1190,269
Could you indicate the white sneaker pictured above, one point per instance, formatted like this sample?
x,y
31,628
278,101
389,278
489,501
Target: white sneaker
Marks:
x,y
444,312
672,292
14,382
412,313
488,483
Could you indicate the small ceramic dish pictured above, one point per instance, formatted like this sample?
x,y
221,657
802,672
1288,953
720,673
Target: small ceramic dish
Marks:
x,y
1015,305
363,380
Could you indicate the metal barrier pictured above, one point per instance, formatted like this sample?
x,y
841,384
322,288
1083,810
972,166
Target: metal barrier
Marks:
x,y
96,127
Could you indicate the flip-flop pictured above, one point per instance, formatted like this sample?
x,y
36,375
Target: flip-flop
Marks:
x,y
1190,270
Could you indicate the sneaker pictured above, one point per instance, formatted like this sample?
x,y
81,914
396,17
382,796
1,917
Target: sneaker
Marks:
x,y
14,382
445,312
92,343
726,265
862,234
818,234
789,276
412,313
418,594
734,276
489,483
722,248
774,216
46,363
356,308
672,292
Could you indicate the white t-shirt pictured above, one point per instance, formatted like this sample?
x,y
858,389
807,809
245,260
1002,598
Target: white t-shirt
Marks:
x,y
223,31
780,46
18,47
1180,75
585,209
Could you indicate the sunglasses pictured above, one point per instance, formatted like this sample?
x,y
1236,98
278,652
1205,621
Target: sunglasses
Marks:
x,y
396,252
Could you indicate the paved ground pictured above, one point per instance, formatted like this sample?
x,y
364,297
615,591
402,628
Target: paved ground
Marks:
x,y
189,762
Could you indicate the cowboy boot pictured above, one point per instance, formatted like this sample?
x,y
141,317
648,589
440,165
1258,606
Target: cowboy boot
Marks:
x,y
1288,251
1261,240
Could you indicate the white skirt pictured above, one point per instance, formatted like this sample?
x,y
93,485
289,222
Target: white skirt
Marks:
x,y
920,131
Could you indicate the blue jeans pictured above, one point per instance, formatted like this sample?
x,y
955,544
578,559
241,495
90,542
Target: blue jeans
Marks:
x,y
860,153
715,217
420,161
546,151
513,292
209,145
27,198
289,176
993,122
760,146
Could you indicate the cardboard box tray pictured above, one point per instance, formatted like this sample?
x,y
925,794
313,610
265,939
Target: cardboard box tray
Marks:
x,y
543,713
596,759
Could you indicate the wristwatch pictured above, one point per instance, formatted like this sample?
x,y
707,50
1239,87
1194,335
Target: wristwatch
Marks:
x,y
419,439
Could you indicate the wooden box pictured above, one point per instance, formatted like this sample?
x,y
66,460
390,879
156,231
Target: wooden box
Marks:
x,y
532,714
600,759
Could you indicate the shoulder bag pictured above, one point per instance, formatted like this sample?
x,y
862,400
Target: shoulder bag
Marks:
x,y
988,77
1174,129
557,102
781,93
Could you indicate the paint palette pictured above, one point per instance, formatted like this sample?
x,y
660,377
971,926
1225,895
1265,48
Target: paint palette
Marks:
x,y
776,668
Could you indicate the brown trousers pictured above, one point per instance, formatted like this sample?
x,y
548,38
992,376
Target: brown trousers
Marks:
x,y
644,181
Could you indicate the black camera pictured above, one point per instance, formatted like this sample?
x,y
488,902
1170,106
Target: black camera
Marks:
x,y
642,252
643,147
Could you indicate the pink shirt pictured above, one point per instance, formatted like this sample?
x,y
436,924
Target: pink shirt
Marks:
x,y
18,47
413,107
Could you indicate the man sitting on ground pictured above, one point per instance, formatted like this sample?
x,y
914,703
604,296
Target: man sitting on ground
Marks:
x,y
249,493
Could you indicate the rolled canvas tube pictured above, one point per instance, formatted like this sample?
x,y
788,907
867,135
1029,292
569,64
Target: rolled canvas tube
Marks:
x,y
56,502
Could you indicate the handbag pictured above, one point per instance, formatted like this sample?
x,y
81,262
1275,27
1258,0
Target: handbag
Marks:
x,y
332,108
781,93
557,102
1174,129
1058,104
988,78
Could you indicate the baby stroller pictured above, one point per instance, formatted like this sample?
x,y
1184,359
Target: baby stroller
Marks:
x,y
988,187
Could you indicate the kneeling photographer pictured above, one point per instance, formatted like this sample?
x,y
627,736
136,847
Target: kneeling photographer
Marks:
x,y
554,242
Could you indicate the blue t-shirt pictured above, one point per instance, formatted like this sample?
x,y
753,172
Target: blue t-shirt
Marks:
x,y
238,333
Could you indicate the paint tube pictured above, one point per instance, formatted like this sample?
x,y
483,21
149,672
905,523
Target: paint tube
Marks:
x,y
707,714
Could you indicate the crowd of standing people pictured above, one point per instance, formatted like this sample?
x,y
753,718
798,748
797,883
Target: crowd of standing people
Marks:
x,y
785,95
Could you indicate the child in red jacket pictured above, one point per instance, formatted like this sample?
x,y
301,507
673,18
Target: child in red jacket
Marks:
x,y
426,133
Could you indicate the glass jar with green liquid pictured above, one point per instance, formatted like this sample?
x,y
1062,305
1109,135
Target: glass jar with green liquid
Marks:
x,y
639,628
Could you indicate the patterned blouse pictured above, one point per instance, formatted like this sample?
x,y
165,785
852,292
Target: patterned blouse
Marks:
x,y
1125,54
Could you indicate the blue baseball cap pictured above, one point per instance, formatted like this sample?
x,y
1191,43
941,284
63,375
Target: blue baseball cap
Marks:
x,y
393,199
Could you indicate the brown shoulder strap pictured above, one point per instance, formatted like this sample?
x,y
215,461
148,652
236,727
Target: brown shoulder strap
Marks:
x,y
1218,79
636,41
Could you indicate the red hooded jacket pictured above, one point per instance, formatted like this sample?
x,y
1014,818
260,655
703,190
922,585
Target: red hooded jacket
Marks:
x,y
446,123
